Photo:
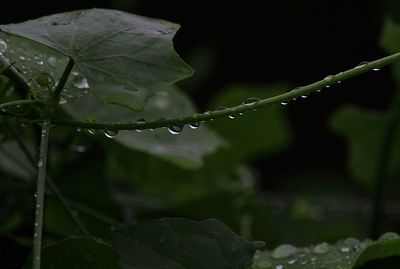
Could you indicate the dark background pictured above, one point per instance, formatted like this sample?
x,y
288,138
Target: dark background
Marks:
x,y
267,41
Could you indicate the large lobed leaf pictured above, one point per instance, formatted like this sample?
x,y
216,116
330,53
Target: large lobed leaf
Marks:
x,y
125,58
345,254
164,243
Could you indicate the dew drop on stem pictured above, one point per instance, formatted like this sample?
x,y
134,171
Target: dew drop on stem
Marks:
x,y
176,129
284,103
139,123
194,125
110,133
251,101
91,131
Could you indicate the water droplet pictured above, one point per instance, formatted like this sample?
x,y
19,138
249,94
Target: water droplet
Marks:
x,y
284,251
80,148
258,244
175,129
304,96
194,125
251,101
22,58
362,64
40,163
140,122
35,195
322,248
388,236
292,261
376,69
279,266
329,78
284,103
344,249
23,123
110,133
63,101
80,82
78,130
52,61
232,117
91,131
40,62
36,224
3,46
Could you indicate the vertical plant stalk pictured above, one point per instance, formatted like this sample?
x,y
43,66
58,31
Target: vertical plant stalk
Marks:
x,y
40,192
53,187
385,154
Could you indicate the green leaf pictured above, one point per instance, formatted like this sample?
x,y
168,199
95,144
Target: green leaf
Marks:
x,y
345,254
186,149
363,131
124,58
254,134
180,243
14,162
79,253
390,37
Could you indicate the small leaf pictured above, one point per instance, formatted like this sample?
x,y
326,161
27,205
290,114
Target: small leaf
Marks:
x,y
345,254
186,149
363,130
124,58
181,244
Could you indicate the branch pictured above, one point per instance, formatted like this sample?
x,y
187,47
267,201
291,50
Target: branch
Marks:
x,y
12,73
40,192
251,105
63,79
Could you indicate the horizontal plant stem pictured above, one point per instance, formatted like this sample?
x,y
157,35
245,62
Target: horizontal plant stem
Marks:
x,y
285,97
20,103
53,187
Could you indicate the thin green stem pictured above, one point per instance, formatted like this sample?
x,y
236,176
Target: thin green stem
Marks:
x,y
385,154
243,108
12,73
20,103
53,187
63,79
40,192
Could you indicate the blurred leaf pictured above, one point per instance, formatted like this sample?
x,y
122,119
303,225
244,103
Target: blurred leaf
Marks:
x,y
124,58
14,162
390,37
254,134
345,254
363,131
390,42
186,149
74,252
180,243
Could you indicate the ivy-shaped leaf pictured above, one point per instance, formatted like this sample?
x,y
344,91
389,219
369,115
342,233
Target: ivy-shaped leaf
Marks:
x,y
123,58
182,244
164,243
